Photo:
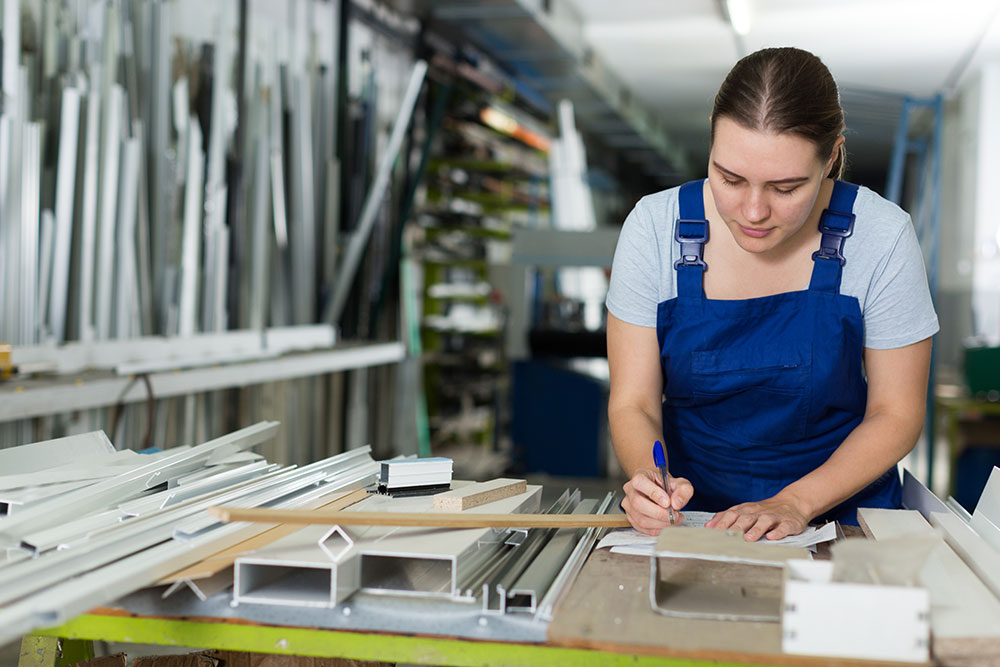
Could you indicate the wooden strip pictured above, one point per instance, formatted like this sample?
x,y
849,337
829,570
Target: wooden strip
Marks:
x,y
965,615
419,519
478,494
214,564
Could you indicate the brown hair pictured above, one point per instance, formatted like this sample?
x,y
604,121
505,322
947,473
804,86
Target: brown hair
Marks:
x,y
785,90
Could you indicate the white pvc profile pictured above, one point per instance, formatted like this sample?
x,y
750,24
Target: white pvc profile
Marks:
x,y
109,492
986,517
17,500
31,149
40,455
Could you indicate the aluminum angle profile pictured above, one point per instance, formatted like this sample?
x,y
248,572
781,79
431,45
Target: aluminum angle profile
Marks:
x,y
110,492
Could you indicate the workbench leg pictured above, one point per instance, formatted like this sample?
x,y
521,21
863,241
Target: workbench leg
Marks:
x,y
53,652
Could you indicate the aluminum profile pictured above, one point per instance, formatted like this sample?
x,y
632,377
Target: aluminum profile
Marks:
x,y
65,183
61,601
107,216
109,492
40,455
88,215
572,566
536,579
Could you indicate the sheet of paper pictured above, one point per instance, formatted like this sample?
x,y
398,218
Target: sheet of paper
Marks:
x,y
630,541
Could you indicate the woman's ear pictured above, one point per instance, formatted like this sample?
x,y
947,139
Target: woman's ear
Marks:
x,y
834,154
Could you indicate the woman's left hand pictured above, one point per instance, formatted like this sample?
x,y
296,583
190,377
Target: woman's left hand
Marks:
x,y
773,518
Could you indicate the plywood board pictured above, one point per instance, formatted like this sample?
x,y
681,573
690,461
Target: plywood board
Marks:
x,y
478,494
965,615
722,545
608,609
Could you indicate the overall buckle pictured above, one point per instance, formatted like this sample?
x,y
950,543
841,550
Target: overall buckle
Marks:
x,y
836,227
692,235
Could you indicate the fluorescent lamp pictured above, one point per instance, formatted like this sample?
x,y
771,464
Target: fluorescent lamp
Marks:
x,y
739,16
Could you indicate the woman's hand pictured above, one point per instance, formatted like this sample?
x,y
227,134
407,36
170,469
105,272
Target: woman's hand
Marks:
x,y
646,504
774,518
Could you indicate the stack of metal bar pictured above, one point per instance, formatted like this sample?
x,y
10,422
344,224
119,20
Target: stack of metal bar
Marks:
x,y
169,167
107,522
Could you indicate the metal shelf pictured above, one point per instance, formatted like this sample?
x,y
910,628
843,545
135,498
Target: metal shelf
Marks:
x,y
47,396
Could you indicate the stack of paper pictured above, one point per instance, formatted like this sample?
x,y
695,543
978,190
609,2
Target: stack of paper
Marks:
x,y
415,473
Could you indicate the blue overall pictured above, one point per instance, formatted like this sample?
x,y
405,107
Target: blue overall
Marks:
x,y
760,392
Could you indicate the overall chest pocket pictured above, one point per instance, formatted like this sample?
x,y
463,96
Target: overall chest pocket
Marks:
x,y
753,395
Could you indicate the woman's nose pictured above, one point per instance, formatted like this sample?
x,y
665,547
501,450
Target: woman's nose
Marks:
x,y
755,208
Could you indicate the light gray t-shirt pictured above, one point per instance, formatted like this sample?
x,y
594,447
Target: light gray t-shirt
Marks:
x,y
884,269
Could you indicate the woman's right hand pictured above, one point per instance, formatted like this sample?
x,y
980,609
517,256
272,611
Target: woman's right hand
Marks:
x,y
646,503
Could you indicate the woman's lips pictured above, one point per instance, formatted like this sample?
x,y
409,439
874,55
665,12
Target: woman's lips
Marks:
x,y
756,233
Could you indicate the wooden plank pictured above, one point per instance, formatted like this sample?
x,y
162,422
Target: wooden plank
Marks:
x,y
225,558
418,519
965,615
608,609
478,494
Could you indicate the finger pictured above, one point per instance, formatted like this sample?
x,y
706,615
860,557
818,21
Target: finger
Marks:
x,y
784,529
764,523
650,489
681,492
646,507
723,520
745,522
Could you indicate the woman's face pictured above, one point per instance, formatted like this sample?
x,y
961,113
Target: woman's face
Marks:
x,y
764,185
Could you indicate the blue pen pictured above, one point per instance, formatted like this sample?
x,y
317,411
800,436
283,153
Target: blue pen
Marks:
x,y
660,459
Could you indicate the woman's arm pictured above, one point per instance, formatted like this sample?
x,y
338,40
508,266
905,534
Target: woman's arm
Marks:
x,y
635,417
894,416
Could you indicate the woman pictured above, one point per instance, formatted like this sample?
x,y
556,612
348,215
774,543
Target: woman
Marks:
x,y
772,326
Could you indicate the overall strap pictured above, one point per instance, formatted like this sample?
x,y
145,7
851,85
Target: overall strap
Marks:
x,y
836,223
692,233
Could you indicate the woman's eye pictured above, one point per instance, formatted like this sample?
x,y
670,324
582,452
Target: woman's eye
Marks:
x,y
786,192
729,182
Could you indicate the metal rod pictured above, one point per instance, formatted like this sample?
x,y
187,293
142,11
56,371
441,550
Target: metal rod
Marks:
x,y
65,183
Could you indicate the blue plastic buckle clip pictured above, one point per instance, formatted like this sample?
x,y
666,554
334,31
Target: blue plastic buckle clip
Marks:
x,y
692,245
833,236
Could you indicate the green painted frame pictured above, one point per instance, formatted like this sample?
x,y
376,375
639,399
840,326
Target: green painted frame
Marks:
x,y
335,643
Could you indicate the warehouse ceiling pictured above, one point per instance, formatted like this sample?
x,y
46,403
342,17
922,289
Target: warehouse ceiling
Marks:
x,y
643,73
673,54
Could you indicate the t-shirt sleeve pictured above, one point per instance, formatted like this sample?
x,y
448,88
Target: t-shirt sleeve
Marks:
x,y
633,292
899,310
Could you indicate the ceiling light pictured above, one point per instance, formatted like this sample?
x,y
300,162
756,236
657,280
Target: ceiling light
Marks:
x,y
739,15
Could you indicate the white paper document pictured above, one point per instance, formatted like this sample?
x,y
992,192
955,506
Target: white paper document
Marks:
x,y
631,541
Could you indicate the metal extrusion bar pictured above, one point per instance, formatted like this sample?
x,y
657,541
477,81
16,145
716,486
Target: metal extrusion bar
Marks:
x,y
303,207
102,494
572,566
127,295
110,157
191,243
132,536
39,455
533,583
505,576
374,199
65,183
88,216
31,156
